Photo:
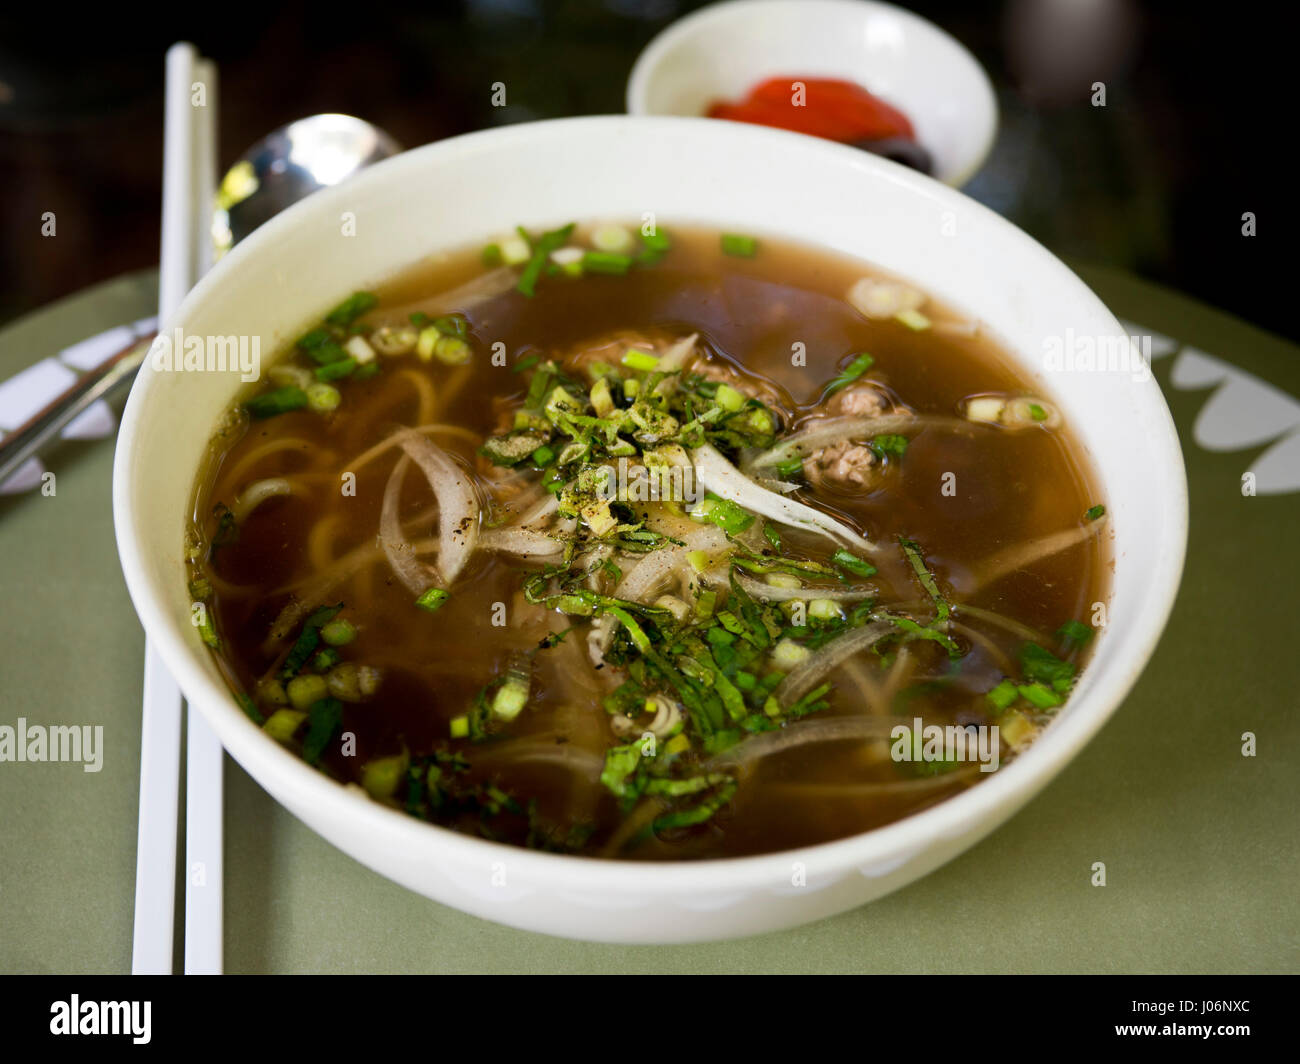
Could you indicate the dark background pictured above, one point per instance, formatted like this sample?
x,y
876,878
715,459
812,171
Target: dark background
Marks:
x,y
1195,131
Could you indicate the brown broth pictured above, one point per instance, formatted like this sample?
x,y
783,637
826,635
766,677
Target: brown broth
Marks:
x,y
1011,487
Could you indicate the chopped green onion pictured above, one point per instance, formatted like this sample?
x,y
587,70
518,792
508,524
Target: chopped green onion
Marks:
x,y
459,727
1095,512
889,445
306,690
541,251
344,367
611,238
1037,412
913,319
1040,664
729,399
433,599
352,308
606,262
325,717
1003,696
338,633
851,563
640,360
283,723
384,775
1040,696
741,246
451,350
1074,634
860,364
491,255
771,534
323,398
279,401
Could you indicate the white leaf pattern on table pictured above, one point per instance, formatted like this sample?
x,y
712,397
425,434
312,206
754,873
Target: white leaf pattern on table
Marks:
x,y
1244,412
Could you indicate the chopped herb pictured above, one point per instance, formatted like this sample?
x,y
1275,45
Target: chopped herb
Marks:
x,y
344,367
771,534
250,709
541,251
277,401
1040,696
606,262
745,247
889,445
324,719
860,364
1074,635
1003,696
432,599
850,563
1094,513
307,641
352,308
1043,666
941,607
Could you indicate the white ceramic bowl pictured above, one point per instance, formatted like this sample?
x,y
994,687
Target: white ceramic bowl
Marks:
x,y
743,178
723,50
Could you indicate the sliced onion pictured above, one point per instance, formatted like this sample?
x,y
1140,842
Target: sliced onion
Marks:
x,y
415,574
482,288
520,542
1023,555
722,478
826,431
458,507
801,733
814,668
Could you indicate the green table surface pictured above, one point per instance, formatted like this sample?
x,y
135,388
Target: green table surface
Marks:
x,y
1199,841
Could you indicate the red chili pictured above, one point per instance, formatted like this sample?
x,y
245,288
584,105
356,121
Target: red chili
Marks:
x,y
825,107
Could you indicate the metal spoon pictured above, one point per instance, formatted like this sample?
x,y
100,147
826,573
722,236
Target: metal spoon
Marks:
x,y
280,169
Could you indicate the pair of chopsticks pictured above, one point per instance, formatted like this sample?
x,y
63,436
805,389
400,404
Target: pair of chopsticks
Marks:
x,y
189,184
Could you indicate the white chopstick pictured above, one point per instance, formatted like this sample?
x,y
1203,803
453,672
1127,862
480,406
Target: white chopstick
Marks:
x,y
203,767
189,175
155,857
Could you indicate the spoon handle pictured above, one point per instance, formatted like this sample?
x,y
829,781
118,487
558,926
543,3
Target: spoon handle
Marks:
x,y
98,383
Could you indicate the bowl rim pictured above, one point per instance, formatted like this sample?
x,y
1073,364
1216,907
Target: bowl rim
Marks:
x,y
956,816
645,66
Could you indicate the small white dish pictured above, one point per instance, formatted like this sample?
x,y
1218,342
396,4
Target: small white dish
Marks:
x,y
722,51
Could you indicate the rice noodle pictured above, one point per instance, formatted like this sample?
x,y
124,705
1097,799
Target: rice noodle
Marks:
x,y
814,668
458,507
257,493
417,576
389,442
719,476
801,733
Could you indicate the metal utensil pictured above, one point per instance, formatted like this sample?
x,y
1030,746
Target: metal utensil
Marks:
x,y
283,167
